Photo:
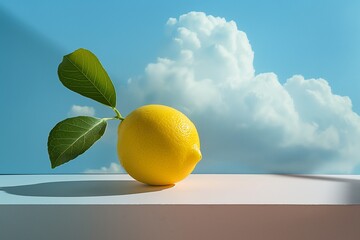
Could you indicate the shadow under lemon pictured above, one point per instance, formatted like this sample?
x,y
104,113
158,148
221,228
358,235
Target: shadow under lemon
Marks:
x,y
90,188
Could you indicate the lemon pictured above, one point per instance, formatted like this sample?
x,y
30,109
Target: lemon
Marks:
x,y
158,145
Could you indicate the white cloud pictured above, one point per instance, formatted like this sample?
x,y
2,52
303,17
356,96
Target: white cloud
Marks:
x,y
112,168
77,110
248,121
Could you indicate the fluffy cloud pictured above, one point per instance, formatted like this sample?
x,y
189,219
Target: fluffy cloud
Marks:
x,y
81,111
248,122
112,168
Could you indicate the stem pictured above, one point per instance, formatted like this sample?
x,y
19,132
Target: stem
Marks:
x,y
118,114
107,119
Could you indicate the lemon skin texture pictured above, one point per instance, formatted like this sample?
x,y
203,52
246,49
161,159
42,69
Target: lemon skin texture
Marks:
x,y
158,145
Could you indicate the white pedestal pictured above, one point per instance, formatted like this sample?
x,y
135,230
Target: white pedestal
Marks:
x,y
208,206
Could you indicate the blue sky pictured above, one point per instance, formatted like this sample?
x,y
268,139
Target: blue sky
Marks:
x,y
254,129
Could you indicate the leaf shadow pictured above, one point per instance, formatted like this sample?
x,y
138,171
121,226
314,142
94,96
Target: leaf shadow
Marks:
x,y
93,188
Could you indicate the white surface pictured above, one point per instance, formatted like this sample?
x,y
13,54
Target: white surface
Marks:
x,y
196,189
211,207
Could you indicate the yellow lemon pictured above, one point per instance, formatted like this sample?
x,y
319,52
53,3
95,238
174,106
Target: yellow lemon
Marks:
x,y
158,145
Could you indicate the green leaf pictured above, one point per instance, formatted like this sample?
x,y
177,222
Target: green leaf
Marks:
x,y
72,137
83,73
